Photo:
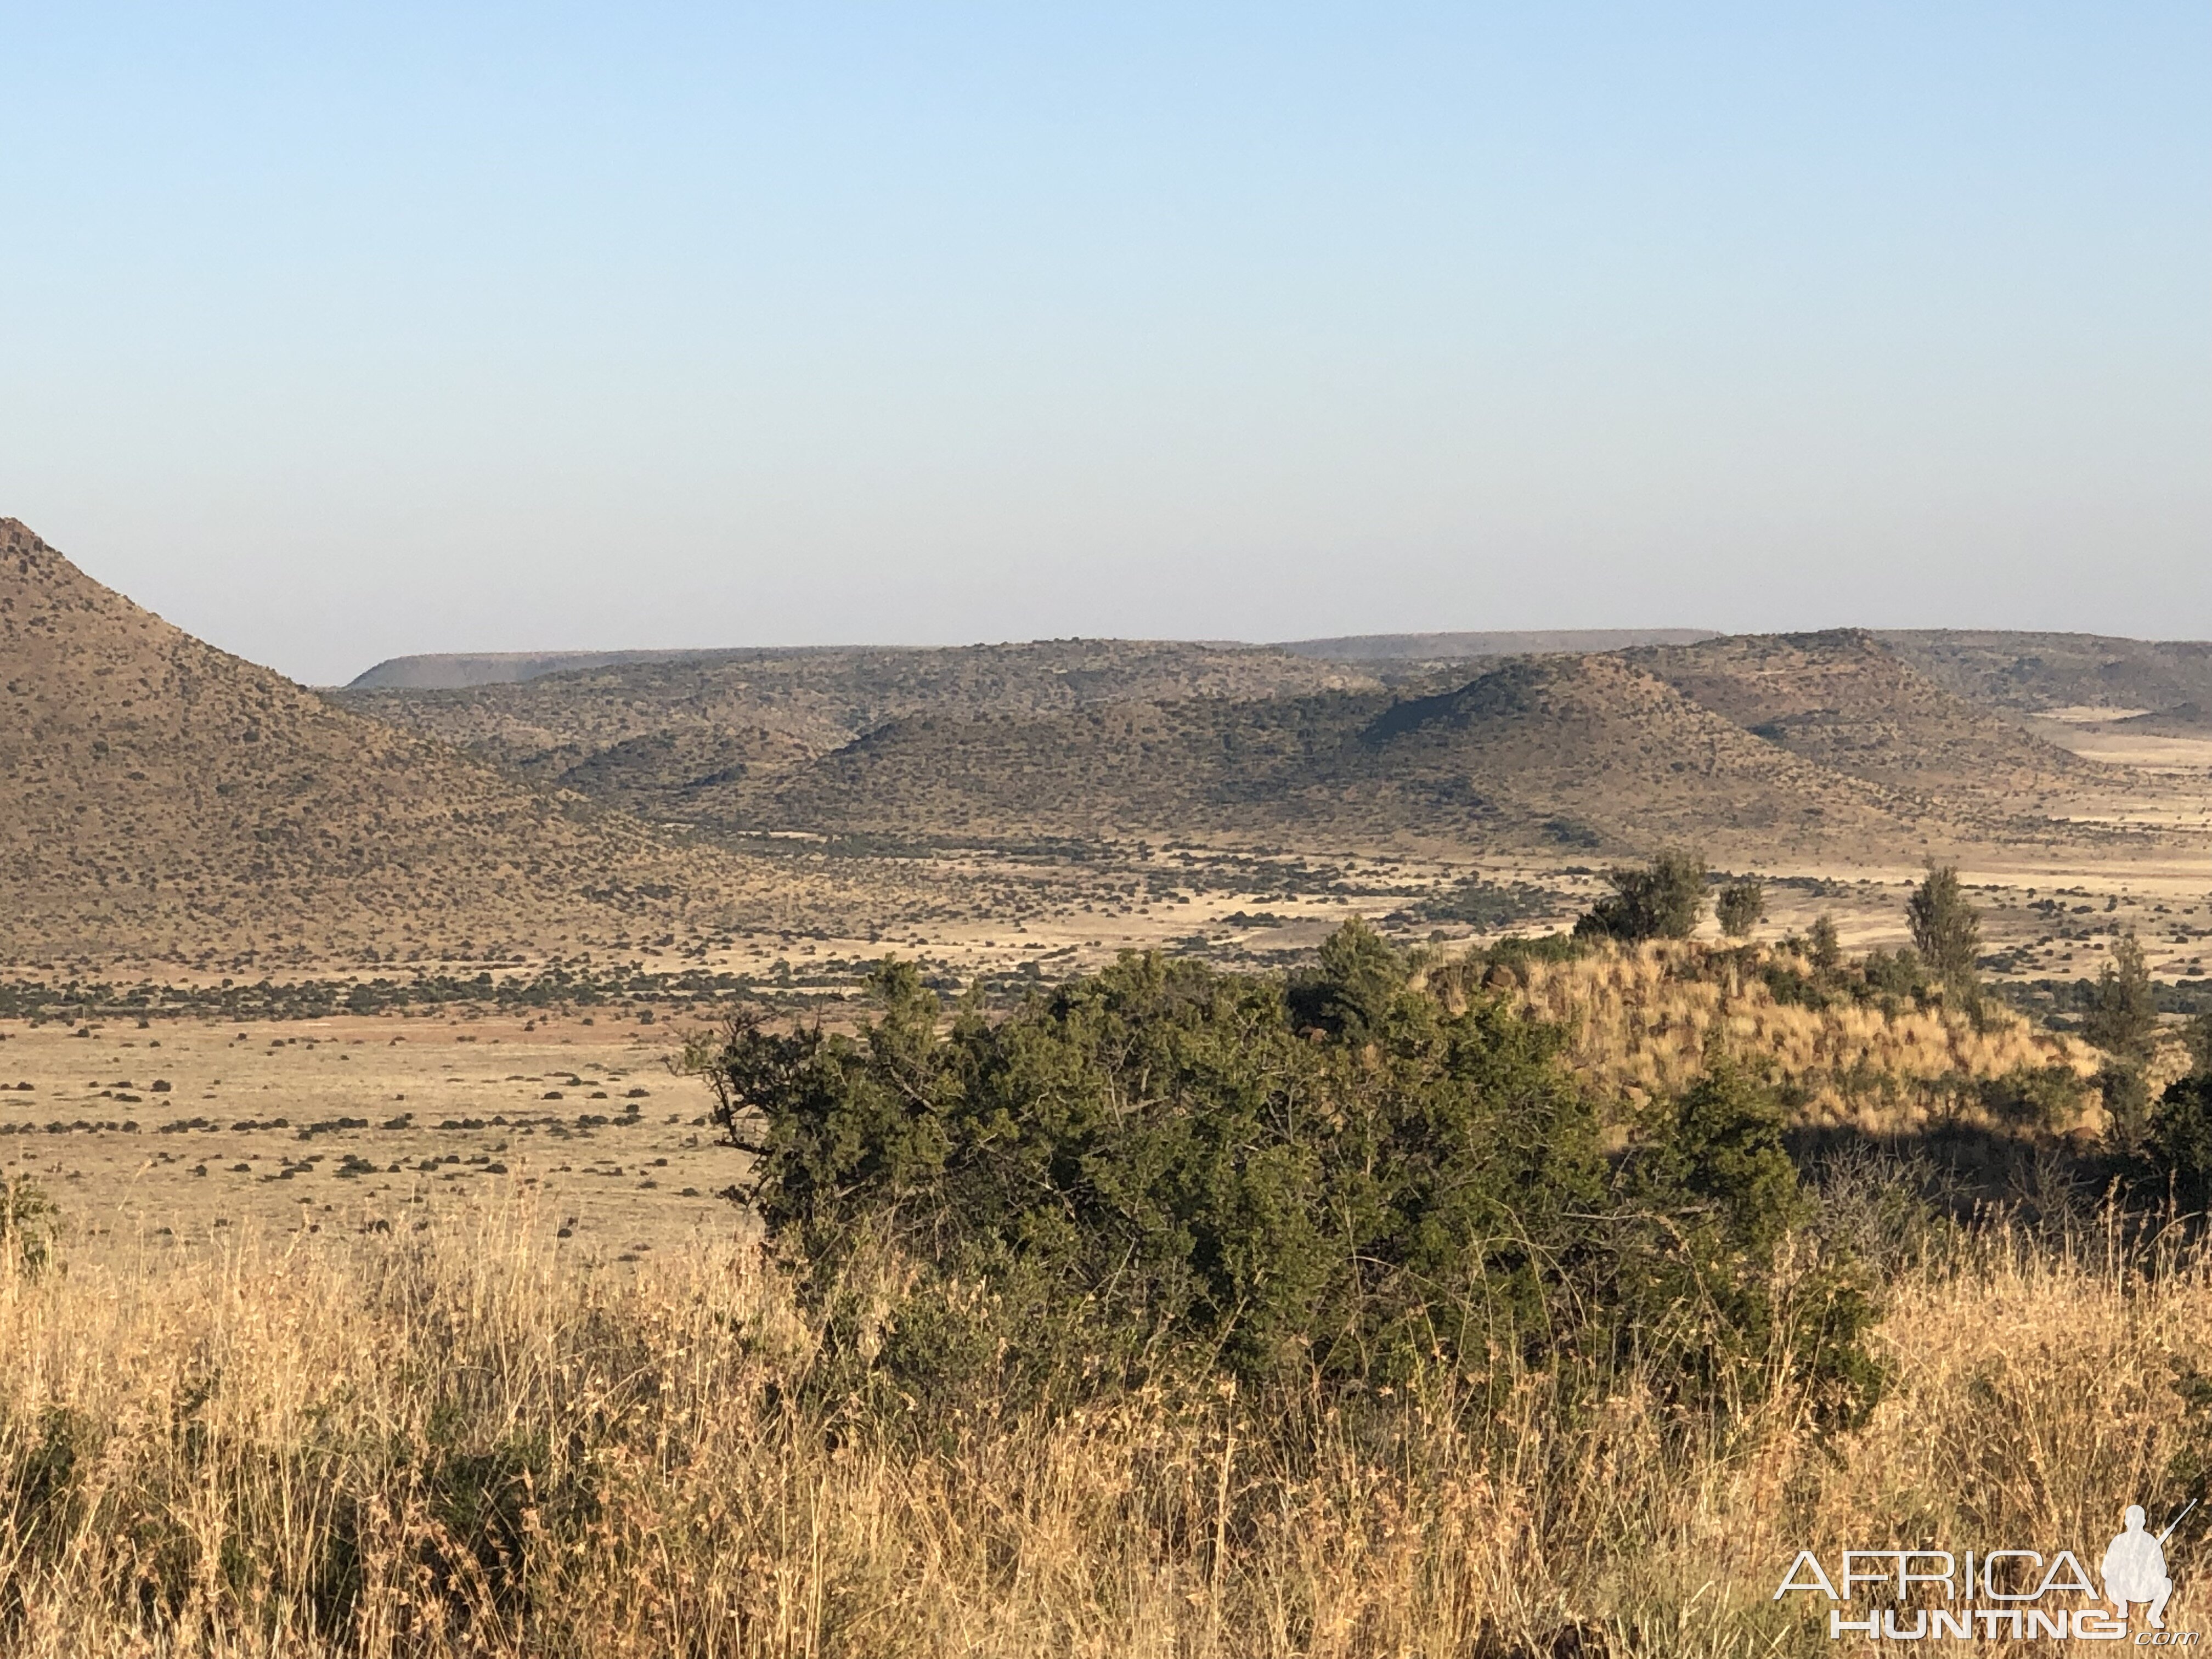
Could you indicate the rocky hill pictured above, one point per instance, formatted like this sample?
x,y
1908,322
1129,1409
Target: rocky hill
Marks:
x,y
821,700
1803,744
1846,699
1837,744
1576,751
1194,766
1601,742
163,800
459,670
2032,672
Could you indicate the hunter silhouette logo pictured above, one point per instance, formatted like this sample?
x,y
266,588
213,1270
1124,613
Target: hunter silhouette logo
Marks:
x,y
2007,1593
2134,1566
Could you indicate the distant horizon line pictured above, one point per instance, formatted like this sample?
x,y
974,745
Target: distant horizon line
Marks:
x,y
1378,648
463,670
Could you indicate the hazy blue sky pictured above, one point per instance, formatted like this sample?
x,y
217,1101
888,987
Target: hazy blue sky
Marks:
x,y
335,331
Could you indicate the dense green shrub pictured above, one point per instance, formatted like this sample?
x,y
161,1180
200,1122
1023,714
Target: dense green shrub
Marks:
x,y
1740,907
1162,1162
1662,900
1947,931
2047,1098
1715,1196
1824,946
1515,949
2122,1017
1899,973
1791,986
2129,1109
2180,1143
1351,991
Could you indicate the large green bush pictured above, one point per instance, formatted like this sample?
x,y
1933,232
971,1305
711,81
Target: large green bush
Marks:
x,y
1662,900
1163,1163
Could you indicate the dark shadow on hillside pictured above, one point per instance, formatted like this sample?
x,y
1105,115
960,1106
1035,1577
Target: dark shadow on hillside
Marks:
x,y
1963,1173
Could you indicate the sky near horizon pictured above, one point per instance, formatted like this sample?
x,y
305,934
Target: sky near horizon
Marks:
x,y
342,331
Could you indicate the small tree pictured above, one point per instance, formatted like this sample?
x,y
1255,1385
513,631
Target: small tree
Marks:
x,y
2180,1140
1824,946
1945,929
2123,1019
2127,1104
2200,1044
1663,900
1359,974
1740,907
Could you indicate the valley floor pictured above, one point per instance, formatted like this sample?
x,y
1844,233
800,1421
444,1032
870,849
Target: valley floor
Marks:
x,y
350,1125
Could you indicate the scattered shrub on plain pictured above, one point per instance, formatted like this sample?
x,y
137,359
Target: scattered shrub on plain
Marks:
x,y
1740,907
1662,900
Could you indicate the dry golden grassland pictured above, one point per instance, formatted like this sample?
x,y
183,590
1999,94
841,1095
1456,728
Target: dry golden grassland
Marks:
x,y
456,1444
329,1125
301,1433
1641,1018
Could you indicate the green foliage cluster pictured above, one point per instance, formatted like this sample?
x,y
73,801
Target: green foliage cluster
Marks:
x,y
1486,905
1899,973
1820,978
2121,1017
1515,949
1740,907
1335,1176
2047,1098
2179,1144
1662,900
1792,986
1946,931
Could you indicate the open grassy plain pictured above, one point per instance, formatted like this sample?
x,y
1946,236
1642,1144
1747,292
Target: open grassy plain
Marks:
x,y
450,1409
161,1139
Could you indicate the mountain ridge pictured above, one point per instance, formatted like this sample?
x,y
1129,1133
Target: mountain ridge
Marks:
x,y
166,800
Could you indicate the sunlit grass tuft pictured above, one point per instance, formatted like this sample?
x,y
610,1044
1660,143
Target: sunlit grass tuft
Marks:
x,y
1642,1016
467,1444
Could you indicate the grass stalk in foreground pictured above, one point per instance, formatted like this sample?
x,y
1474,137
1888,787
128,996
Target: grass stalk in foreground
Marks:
x,y
464,1443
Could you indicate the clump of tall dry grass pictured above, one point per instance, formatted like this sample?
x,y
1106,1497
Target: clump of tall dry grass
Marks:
x,y
462,1443
1641,1017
